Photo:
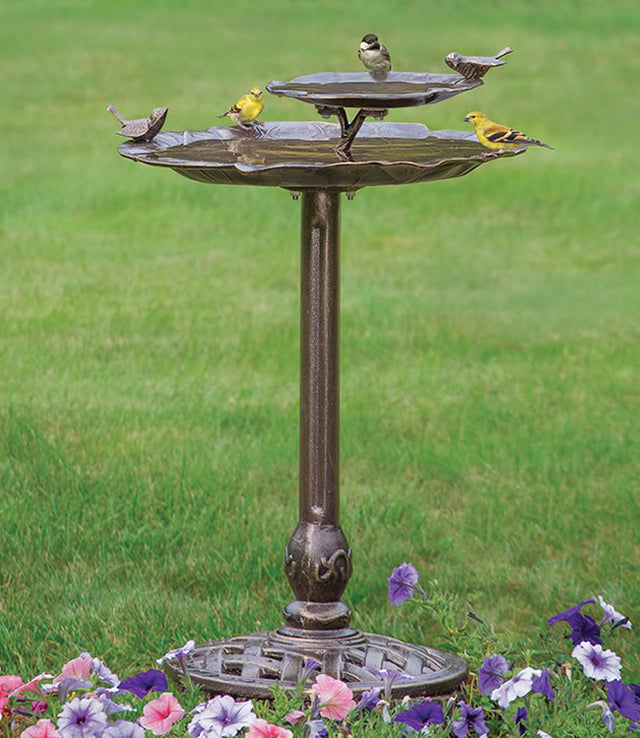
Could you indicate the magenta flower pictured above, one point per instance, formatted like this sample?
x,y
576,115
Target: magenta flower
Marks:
x,y
161,714
596,662
402,583
491,673
82,718
262,729
9,683
78,668
421,715
334,698
153,680
42,729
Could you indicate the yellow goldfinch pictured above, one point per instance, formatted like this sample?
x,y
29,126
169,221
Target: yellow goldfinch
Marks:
x,y
373,54
246,111
494,136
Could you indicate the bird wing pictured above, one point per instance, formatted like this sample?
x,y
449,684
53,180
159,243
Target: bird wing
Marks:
x,y
502,134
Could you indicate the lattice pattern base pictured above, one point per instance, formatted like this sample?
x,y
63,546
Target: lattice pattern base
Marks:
x,y
250,666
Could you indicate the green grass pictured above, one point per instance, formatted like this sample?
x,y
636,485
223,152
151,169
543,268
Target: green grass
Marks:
x,y
149,334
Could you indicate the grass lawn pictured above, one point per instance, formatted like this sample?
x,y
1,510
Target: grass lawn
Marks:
x,y
149,333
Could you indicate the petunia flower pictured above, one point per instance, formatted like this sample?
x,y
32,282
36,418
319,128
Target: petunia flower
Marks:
x,y
161,714
520,719
317,729
541,684
402,583
584,628
294,717
421,715
71,684
622,699
517,686
262,729
221,716
596,662
78,668
369,699
82,718
389,678
31,686
42,729
611,615
124,729
100,669
491,673
141,684
309,666
179,654
566,614
542,734
9,684
334,698
470,717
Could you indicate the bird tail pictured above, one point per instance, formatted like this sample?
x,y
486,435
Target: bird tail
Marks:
x,y
504,52
539,143
224,114
111,109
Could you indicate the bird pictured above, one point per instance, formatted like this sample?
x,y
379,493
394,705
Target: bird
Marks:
x,y
475,67
245,112
141,129
373,54
494,136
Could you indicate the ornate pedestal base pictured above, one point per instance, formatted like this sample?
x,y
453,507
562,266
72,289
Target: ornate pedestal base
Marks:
x,y
250,666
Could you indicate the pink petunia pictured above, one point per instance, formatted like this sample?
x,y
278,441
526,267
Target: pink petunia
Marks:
x,y
32,686
334,697
42,729
294,717
160,715
8,683
262,729
78,668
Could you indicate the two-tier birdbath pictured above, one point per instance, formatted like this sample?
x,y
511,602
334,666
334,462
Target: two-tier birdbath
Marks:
x,y
320,161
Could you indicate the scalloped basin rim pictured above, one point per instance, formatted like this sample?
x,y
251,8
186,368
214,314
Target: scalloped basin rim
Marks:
x,y
301,155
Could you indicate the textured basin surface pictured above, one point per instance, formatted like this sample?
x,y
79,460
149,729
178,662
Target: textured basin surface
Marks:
x,y
301,155
367,90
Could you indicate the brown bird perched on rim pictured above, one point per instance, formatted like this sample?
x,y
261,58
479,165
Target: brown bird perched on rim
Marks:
x,y
373,54
141,129
474,67
494,136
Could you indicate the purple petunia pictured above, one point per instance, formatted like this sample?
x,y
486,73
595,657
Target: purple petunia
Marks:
x,y
566,614
520,720
124,729
309,666
82,718
221,716
389,678
622,699
148,681
402,583
491,673
317,729
369,699
470,717
421,715
598,663
584,628
541,684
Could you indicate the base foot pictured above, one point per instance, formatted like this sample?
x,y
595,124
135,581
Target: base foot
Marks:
x,y
250,666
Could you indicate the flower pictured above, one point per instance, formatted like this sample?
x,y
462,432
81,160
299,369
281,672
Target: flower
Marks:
x,y
147,681
622,699
77,668
262,729
309,666
542,734
596,662
569,612
179,654
294,717
103,673
317,729
421,715
584,628
124,729
402,583
369,699
42,729
161,714
82,718
8,683
221,716
389,677
491,673
517,686
335,699
611,615
541,684
520,719
470,717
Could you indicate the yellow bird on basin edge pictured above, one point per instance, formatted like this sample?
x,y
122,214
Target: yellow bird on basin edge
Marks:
x,y
246,111
494,136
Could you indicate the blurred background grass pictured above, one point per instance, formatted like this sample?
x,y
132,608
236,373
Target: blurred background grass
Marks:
x,y
149,335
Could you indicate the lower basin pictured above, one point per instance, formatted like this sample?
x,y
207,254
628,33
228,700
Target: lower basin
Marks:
x,y
301,155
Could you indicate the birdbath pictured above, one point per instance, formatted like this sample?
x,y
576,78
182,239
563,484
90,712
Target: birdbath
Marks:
x,y
319,161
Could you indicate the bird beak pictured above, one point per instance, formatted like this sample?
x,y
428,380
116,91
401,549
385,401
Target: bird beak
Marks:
x,y
466,117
